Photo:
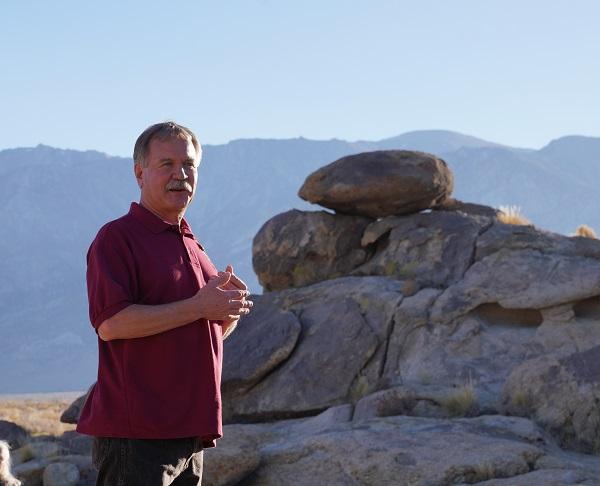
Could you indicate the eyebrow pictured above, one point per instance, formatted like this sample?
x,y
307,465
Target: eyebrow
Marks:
x,y
189,159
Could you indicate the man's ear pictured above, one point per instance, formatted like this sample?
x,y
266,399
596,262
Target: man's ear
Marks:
x,y
137,170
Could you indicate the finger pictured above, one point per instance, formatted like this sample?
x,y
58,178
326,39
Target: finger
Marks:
x,y
236,294
241,302
221,280
242,311
238,282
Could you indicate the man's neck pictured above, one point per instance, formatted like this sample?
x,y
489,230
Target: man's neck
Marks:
x,y
171,219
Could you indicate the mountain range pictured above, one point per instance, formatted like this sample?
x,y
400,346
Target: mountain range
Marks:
x,y
55,201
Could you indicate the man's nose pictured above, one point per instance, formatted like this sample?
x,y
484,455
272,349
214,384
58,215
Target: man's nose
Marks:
x,y
180,173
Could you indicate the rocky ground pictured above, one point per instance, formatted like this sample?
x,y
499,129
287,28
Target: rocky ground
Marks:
x,y
408,338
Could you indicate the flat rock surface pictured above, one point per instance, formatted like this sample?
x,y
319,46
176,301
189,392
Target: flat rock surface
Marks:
x,y
409,450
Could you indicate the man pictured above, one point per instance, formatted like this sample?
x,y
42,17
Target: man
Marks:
x,y
161,311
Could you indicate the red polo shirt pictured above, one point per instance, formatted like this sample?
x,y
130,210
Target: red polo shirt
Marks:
x,y
163,386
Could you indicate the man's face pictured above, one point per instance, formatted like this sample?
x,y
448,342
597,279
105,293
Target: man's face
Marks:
x,y
168,178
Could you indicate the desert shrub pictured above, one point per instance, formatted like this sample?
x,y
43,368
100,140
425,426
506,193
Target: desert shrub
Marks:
x,y
462,401
512,215
586,231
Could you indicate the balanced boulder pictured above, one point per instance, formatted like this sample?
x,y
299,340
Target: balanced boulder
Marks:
x,y
381,183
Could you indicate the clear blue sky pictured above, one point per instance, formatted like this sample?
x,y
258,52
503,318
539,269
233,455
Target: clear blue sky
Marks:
x,y
92,75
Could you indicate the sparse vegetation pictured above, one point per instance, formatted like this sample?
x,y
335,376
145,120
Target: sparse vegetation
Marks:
x,y
39,417
390,268
424,377
522,401
585,231
512,215
462,401
409,287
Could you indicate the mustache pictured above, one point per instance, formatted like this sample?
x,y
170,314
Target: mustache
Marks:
x,y
179,185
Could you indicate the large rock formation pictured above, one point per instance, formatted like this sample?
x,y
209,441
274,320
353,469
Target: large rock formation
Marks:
x,y
400,350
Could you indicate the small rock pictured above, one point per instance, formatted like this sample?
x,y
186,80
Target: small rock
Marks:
x,y
76,443
40,449
71,414
31,472
452,204
61,474
14,434
393,401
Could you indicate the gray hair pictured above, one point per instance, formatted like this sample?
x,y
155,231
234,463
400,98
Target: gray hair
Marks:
x,y
162,131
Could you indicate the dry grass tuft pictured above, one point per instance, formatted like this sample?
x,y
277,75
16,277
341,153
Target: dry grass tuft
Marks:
x,y
512,215
522,401
39,417
462,401
586,231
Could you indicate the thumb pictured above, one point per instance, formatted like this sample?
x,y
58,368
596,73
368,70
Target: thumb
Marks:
x,y
220,279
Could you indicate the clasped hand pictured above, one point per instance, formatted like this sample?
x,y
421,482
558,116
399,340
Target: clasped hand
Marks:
x,y
224,297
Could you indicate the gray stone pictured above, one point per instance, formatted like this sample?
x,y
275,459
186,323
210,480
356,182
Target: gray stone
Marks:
x,y
377,298
325,421
518,237
76,443
12,433
544,477
236,456
261,341
409,339
381,183
71,414
472,209
31,472
561,394
61,474
42,449
402,450
384,403
520,279
350,316
318,374
298,248
433,249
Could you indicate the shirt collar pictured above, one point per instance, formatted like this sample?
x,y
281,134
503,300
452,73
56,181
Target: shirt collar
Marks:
x,y
155,224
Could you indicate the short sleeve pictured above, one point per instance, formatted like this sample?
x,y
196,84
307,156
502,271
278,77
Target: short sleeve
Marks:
x,y
111,275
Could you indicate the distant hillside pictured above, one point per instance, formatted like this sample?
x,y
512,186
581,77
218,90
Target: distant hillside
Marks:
x,y
55,200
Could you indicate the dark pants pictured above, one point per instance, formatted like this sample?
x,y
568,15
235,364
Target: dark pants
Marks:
x,y
147,462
